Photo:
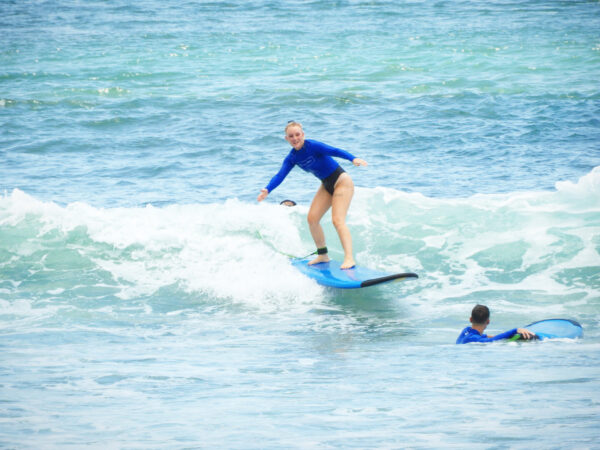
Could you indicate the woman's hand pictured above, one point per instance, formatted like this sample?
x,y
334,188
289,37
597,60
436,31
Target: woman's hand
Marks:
x,y
263,194
359,162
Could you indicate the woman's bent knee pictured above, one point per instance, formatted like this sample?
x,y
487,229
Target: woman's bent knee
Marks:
x,y
338,222
313,219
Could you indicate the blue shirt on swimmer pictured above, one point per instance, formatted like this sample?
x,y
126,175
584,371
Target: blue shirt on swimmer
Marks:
x,y
472,335
314,157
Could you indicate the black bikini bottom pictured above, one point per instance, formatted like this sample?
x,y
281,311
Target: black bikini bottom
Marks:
x,y
329,182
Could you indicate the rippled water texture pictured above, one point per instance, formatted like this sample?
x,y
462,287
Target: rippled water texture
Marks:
x,y
169,103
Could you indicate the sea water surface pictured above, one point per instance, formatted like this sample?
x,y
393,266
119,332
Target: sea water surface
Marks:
x,y
146,299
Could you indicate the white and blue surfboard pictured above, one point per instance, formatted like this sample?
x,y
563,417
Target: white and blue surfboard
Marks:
x,y
554,329
330,274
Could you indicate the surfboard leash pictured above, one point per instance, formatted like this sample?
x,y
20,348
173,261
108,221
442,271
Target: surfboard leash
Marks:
x,y
260,236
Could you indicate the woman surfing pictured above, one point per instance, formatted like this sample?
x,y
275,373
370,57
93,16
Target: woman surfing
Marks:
x,y
335,192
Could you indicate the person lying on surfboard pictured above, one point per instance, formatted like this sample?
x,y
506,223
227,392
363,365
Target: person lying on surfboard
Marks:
x,y
480,319
335,192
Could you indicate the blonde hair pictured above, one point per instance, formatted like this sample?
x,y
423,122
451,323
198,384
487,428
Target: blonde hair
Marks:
x,y
293,123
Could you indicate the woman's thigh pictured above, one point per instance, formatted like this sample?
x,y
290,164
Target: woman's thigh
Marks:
x,y
320,205
342,196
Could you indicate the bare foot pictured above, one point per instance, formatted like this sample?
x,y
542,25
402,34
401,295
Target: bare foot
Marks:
x,y
319,259
348,264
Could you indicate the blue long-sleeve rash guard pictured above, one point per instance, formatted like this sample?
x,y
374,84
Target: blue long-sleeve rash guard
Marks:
x,y
314,157
472,335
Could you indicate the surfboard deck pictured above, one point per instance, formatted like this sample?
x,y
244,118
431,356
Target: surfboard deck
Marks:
x,y
330,274
554,329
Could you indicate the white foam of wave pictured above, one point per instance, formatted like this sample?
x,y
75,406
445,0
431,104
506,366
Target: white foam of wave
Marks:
x,y
224,250
513,242
521,242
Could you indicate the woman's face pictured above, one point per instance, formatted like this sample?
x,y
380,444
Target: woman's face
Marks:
x,y
295,136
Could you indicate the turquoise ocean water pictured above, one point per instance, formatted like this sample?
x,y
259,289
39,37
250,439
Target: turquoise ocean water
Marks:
x,y
144,298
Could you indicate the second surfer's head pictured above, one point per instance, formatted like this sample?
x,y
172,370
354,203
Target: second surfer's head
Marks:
x,y
480,315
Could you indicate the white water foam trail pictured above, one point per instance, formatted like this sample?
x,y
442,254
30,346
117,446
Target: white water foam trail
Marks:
x,y
541,245
221,250
529,252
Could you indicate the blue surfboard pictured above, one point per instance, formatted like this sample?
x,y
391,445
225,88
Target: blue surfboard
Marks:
x,y
555,329
330,274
